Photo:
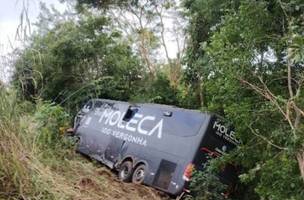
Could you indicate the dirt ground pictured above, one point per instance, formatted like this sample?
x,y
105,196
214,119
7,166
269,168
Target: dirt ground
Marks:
x,y
112,188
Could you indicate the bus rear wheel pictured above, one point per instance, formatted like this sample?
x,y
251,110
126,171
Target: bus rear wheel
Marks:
x,y
125,171
139,174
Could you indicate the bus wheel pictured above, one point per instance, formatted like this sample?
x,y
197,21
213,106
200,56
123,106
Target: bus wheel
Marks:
x,y
125,171
139,174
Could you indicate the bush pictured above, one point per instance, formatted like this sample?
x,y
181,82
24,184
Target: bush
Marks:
x,y
206,185
51,121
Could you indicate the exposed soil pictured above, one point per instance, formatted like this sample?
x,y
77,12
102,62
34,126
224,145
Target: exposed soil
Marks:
x,y
112,188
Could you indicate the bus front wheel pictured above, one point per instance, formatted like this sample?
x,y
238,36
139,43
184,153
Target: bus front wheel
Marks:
x,y
125,171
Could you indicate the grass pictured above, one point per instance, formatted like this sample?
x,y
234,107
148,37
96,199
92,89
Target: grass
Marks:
x,y
37,162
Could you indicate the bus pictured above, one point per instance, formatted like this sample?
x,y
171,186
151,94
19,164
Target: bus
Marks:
x,y
152,144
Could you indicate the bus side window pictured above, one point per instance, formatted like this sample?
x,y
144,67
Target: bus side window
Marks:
x,y
130,113
98,104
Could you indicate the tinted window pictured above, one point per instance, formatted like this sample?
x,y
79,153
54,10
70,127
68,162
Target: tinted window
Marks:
x,y
184,124
98,104
175,122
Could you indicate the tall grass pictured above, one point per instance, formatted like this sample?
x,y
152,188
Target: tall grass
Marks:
x,y
29,159
15,179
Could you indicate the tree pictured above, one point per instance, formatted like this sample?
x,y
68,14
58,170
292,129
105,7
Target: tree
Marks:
x,y
147,26
157,91
74,57
204,16
251,62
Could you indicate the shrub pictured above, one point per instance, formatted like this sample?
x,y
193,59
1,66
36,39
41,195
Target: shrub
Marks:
x,y
51,122
206,185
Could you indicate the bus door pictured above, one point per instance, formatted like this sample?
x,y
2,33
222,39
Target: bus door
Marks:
x,y
116,145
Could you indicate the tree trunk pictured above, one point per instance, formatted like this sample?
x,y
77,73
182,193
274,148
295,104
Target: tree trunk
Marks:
x,y
300,158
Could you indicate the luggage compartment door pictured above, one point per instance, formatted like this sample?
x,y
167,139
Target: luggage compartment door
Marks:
x,y
114,149
164,174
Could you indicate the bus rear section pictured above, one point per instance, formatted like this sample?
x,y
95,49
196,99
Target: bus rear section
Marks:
x,y
216,141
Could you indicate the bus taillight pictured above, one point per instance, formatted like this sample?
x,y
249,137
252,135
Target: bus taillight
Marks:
x,y
188,172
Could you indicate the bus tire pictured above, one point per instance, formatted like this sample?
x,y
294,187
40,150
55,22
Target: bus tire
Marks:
x,y
139,174
125,171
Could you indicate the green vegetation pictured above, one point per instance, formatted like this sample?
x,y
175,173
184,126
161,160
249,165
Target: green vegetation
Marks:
x,y
253,54
206,185
243,60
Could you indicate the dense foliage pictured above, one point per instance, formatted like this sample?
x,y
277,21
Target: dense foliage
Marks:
x,y
244,61
77,60
250,60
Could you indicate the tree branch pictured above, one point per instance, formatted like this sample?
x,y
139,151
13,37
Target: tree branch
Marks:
x,y
266,139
